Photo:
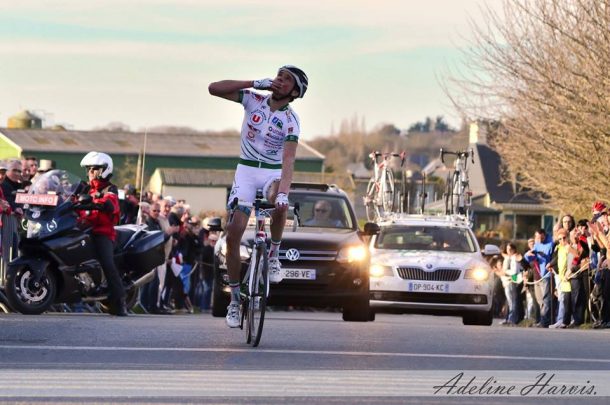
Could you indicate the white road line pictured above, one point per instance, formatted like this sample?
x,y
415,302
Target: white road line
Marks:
x,y
304,352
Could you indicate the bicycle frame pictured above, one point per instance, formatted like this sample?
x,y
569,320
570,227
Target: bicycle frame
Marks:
x,y
382,179
460,184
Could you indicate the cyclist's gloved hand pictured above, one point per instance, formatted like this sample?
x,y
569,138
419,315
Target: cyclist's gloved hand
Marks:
x,y
281,200
262,84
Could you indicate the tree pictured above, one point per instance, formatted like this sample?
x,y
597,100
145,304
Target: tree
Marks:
x,y
541,69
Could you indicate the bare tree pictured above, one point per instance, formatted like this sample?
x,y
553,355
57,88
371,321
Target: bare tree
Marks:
x,y
540,68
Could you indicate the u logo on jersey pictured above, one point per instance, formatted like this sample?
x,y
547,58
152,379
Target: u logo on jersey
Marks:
x,y
257,117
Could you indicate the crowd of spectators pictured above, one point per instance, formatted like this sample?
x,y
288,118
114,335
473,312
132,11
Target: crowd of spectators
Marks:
x,y
562,280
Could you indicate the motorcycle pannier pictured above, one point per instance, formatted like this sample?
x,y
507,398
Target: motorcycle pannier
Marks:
x,y
146,252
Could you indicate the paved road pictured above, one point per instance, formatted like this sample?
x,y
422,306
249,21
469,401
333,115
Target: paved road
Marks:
x,y
181,358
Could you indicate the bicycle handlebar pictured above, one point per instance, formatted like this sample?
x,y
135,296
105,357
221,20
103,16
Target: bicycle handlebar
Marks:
x,y
459,154
402,155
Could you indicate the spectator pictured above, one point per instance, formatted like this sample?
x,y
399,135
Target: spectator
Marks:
x,y
129,205
561,261
513,283
600,228
11,218
542,254
578,277
531,277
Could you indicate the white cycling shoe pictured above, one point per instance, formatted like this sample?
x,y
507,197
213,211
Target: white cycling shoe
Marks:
x,y
233,318
275,270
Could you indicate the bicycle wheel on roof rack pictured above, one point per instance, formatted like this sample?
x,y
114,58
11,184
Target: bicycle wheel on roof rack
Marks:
x,y
458,195
449,195
370,205
388,195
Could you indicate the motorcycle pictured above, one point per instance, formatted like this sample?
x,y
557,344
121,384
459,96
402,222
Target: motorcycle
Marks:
x,y
57,261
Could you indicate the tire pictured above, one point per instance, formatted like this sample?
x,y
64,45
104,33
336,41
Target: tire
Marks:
x,y
478,318
372,214
26,296
456,194
359,311
257,304
389,193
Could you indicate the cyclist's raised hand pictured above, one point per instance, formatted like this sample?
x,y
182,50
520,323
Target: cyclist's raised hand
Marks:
x,y
281,201
262,84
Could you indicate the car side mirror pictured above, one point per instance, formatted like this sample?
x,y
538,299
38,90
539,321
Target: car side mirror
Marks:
x,y
491,250
371,228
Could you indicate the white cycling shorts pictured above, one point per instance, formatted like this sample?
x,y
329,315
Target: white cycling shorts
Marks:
x,y
248,179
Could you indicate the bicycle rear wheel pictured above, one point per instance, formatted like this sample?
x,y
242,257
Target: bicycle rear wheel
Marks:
x,y
257,304
449,195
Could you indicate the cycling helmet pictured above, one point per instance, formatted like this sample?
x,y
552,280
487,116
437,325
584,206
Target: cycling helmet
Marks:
x,y
98,159
599,206
300,78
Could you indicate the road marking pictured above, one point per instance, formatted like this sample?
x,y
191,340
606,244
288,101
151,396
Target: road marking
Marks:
x,y
304,352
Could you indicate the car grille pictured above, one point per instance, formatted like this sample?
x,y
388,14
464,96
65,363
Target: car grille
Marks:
x,y
429,298
416,273
320,255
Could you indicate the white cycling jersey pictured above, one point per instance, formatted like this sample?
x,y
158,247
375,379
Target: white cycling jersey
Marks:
x,y
263,132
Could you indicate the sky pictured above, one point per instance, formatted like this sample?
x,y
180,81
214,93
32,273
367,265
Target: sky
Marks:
x,y
146,63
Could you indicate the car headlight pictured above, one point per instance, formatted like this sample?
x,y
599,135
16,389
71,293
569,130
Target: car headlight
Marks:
x,y
352,254
478,273
379,270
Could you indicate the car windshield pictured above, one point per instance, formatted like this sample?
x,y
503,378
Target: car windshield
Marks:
x,y
321,211
433,238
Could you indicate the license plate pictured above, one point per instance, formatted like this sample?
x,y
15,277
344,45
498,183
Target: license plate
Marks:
x,y
299,274
36,199
428,287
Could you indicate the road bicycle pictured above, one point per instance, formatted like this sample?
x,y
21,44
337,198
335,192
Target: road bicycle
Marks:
x,y
381,196
458,196
255,283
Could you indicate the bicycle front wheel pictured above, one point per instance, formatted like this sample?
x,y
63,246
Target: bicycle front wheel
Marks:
x,y
257,304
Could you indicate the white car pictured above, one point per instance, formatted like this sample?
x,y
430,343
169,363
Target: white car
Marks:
x,y
430,264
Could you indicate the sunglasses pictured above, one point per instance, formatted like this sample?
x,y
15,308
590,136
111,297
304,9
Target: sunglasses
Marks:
x,y
155,210
93,168
321,210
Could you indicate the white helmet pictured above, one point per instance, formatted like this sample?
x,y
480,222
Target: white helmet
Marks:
x,y
98,159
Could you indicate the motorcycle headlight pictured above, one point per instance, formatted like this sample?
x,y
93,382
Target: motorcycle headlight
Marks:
x,y
477,272
379,270
33,229
352,254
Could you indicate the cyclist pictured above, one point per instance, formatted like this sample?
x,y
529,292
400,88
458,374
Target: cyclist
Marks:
x,y
103,216
269,138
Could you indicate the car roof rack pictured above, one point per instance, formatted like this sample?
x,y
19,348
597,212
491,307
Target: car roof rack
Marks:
x,y
455,218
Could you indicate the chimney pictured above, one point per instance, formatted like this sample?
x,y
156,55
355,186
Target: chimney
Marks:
x,y
478,134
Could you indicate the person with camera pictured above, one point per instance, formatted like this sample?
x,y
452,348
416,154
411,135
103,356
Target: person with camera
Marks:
x,y
599,226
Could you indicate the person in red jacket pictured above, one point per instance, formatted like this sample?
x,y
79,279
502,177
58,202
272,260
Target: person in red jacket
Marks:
x,y
102,214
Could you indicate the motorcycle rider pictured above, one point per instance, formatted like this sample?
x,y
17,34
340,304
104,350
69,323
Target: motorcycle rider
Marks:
x,y
103,214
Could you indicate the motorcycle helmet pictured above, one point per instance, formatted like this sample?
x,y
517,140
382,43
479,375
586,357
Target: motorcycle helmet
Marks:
x,y
98,159
300,78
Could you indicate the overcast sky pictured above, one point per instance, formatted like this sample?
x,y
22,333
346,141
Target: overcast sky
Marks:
x,y
149,62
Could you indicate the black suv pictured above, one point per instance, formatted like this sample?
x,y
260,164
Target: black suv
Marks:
x,y
325,262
